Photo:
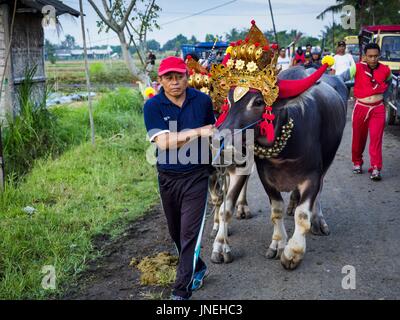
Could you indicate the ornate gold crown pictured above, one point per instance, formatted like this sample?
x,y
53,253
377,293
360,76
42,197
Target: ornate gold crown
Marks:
x,y
199,78
252,64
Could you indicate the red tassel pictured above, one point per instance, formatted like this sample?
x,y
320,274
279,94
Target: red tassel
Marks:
x,y
222,116
221,119
267,126
270,132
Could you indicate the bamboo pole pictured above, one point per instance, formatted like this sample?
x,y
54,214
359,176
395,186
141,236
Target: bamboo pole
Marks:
x,y
87,73
2,171
273,21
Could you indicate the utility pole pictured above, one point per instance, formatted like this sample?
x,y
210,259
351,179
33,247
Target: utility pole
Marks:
x,y
273,21
333,31
87,73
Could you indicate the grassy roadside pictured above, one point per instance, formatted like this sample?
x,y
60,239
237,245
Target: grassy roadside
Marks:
x,y
86,191
101,72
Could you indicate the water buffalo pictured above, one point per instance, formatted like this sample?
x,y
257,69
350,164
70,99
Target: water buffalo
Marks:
x,y
308,130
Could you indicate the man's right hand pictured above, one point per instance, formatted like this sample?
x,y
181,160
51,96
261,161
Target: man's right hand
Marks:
x,y
207,131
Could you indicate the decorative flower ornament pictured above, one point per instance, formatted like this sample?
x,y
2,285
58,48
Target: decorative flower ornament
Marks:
x,y
239,64
230,63
199,78
251,66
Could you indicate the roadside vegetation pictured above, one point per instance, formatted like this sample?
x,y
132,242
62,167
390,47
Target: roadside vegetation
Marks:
x,y
62,192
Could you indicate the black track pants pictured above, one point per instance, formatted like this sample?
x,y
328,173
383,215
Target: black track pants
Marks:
x,y
184,200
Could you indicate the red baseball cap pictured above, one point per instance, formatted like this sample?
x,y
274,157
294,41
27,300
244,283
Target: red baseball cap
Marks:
x,y
172,64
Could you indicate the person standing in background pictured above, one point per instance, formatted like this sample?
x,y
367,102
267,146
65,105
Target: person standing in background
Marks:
x,y
343,60
299,57
283,60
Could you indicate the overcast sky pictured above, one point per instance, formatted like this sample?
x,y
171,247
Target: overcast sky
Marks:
x,y
288,14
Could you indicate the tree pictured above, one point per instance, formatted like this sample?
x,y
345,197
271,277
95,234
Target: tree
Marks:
x,y
132,19
69,42
368,12
234,34
335,32
175,43
209,38
309,40
50,51
193,40
153,45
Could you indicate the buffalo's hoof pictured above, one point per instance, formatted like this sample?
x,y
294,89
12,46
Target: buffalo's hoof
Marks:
x,y
290,211
290,264
228,257
243,212
271,253
241,216
217,257
319,227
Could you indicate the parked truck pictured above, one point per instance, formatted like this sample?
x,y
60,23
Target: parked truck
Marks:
x,y
352,47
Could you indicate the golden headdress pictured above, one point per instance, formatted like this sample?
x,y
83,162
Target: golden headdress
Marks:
x,y
199,78
251,64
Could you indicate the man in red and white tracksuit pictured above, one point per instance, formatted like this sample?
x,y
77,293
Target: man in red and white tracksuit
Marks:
x,y
371,80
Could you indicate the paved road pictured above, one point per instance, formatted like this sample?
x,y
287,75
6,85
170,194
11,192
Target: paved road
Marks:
x,y
364,219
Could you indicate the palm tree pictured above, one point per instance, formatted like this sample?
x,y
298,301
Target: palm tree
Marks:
x,y
368,11
336,8
358,4
235,34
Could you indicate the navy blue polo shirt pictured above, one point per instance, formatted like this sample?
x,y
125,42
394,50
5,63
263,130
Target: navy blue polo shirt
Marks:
x,y
161,116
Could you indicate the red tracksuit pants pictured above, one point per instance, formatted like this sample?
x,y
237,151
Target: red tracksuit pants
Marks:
x,y
373,119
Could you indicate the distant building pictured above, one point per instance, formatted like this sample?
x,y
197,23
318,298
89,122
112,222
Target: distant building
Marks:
x,y
27,47
63,54
77,54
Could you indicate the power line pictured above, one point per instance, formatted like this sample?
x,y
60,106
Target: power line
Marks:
x,y
244,14
175,20
198,13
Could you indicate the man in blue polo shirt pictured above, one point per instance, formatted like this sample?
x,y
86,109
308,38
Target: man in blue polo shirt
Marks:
x,y
179,120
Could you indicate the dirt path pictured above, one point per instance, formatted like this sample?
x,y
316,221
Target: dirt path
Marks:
x,y
363,217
